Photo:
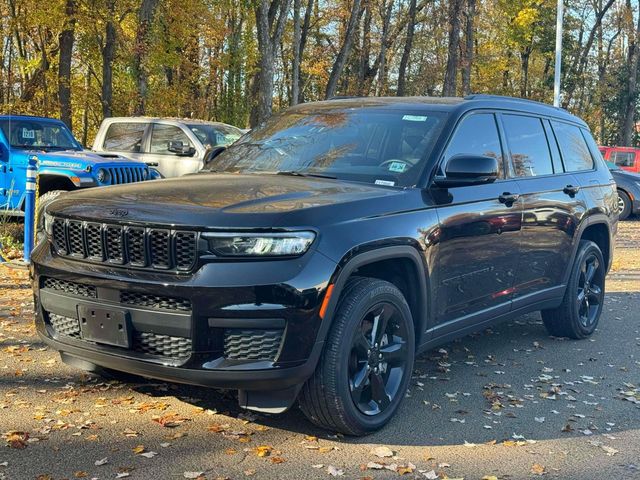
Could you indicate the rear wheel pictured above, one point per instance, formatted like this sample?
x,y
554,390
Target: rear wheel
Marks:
x,y
578,315
624,205
364,370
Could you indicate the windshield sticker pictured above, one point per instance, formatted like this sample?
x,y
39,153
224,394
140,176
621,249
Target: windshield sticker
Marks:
x,y
415,118
397,167
386,183
28,133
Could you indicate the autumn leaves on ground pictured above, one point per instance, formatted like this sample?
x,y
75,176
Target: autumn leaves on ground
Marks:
x,y
510,402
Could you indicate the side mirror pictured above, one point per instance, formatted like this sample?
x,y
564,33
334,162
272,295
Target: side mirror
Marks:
x,y
465,169
211,154
179,148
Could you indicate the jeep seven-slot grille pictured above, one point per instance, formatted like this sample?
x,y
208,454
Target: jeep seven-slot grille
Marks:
x,y
153,248
120,175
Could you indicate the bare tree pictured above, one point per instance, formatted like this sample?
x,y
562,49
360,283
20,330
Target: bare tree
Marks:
x,y
66,40
627,126
295,64
451,73
385,13
108,54
467,62
270,21
345,48
145,22
406,52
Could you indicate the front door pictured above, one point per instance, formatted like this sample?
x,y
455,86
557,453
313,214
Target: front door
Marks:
x,y
478,243
169,163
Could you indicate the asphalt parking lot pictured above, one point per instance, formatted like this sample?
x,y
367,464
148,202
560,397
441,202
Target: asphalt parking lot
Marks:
x,y
507,403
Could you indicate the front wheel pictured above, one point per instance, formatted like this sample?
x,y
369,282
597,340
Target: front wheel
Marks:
x,y
578,315
366,365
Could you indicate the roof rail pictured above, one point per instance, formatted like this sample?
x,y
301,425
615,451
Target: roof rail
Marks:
x,y
487,96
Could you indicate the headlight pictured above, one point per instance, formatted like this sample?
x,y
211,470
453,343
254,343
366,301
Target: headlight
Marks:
x,y
103,175
260,244
48,224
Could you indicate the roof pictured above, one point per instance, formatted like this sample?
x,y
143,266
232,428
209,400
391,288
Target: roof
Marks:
x,y
190,121
448,104
28,117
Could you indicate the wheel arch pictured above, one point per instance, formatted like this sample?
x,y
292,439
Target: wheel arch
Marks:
x,y
403,266
598,230
48,182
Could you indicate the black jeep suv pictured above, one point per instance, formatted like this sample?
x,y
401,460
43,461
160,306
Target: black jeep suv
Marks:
x,y
325,249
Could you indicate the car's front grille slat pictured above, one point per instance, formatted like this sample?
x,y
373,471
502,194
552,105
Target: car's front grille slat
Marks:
x,y
250,344
140,247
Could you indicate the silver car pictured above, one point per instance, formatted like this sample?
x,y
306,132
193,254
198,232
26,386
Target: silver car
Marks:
x,y
173,146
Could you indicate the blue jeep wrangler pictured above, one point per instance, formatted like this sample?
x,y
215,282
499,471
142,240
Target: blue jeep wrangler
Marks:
x,y
63,163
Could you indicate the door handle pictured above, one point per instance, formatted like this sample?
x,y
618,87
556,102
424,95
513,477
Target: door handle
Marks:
x,y
571,190
508,198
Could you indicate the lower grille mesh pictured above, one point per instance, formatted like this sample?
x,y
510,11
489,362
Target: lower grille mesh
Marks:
x,y
162,345
252,344
155,301
70,287
65,325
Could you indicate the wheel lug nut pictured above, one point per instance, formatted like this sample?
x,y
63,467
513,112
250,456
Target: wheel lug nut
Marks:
x,y
376,345
368,352
380,355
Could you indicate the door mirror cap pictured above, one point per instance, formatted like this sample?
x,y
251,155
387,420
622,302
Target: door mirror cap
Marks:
x,y
465,170
179,148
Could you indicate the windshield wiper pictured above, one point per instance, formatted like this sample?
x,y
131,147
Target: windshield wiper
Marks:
x,y
293,173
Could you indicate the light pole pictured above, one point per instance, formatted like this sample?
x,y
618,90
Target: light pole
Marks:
x,y
558,69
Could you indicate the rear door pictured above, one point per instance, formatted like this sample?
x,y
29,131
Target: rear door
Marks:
x,y
552,207
126,138
479,235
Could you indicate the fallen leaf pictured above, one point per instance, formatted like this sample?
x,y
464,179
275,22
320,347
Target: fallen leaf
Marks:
x,y
192,474
382,452
102,461
538,469
334,471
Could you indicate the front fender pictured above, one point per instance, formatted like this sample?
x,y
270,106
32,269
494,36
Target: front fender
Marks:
x,y
351,262
79,178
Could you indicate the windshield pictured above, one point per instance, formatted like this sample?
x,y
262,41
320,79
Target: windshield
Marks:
x,y
215,135
374,145
612,166
40,135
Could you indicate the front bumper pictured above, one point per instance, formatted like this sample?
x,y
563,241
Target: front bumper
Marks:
x,y
251,326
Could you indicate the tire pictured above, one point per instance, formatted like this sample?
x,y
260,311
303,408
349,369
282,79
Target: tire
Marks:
x,y
578,315
44,200
624,201
382,368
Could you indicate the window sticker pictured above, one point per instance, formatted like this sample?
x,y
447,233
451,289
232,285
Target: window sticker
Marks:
x,y
28,133
415,118
387,183
397,167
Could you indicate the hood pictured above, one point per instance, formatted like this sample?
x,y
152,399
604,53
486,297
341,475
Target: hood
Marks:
x,y
625,175
230,200
75,159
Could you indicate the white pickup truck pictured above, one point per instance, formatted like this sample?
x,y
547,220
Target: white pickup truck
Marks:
x,y
173,146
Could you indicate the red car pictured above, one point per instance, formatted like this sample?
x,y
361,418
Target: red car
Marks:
x,y
627,158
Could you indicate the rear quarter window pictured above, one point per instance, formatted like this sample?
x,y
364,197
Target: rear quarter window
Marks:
x,y
124,137
573,147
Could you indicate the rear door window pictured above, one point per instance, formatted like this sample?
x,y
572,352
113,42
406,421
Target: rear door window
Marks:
x,y
573,147
623,159
124,137
528,146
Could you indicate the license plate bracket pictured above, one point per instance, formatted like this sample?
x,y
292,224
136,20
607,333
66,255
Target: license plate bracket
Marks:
x,y
105,325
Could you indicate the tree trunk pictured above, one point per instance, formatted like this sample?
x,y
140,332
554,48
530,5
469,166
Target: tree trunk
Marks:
x,y
406,52
468,50
270,22
303,43
525,55
628,119
65,40
108,53
451,74
295,67
386,20
338,64
145,21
